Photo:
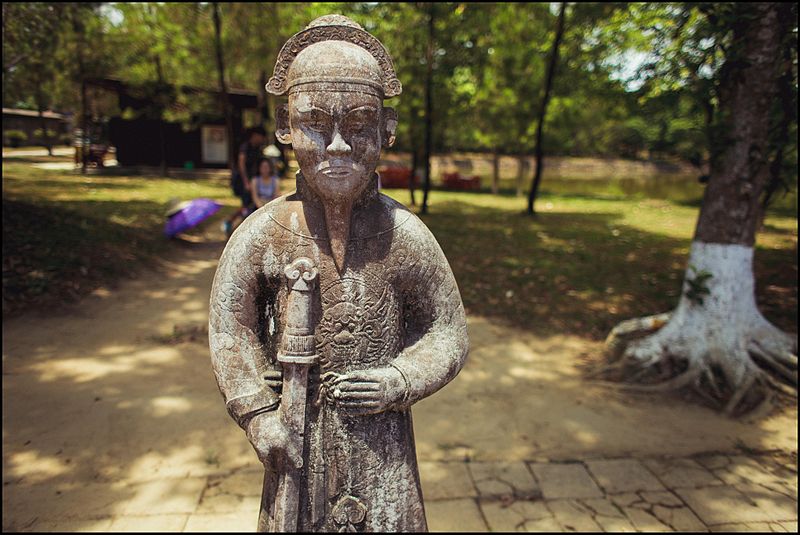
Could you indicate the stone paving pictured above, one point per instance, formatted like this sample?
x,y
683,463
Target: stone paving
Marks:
x,y
702,493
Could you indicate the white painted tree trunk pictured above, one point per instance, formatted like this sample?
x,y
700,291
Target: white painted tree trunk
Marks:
x,y
722,334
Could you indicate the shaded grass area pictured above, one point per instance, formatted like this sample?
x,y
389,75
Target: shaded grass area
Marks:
x,y
65,235
585,264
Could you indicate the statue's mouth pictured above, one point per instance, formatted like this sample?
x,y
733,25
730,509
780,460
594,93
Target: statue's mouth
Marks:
x,y
337,172
337,169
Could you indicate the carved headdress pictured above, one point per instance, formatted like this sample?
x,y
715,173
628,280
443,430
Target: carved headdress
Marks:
x,y
305,59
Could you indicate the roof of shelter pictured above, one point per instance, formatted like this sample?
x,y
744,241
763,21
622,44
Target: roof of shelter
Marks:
x,y
33,113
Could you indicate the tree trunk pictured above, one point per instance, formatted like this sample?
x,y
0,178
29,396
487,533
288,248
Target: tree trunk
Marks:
x,y
414,165
40,105
788,115
162,138
716,336
551,71
84,126
428,109
223,87
496,172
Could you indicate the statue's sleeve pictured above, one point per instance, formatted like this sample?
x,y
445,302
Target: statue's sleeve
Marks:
x,y
240,312
436,342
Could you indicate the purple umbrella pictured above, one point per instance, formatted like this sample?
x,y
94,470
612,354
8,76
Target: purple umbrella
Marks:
x,y
187,214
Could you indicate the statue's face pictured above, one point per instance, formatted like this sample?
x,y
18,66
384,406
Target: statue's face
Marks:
x,y
336,138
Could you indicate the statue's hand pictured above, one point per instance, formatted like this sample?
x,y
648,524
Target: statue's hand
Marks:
x,y
270,437
368,391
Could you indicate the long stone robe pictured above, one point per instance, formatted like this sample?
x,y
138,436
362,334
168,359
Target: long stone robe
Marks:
x,y
396,303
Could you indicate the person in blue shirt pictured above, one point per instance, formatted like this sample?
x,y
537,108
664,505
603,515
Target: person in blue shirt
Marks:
x,y
264,186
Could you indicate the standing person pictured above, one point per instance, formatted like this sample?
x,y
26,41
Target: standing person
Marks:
x,y
264,186
250,152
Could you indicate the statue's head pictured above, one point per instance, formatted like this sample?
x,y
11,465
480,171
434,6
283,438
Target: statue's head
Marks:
x,y
336,76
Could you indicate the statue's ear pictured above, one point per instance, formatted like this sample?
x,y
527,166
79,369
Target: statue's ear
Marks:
x,y
282,130
389,126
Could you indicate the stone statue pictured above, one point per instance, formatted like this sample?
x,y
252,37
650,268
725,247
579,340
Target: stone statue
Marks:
x,y
333,309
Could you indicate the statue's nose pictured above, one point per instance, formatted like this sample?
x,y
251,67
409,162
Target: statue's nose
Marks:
x,y
338,146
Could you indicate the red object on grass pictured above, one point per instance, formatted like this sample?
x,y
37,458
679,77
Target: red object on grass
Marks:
x,y
396,177
458,182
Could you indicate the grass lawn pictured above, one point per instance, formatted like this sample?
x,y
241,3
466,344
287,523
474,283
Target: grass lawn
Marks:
x,y
584,264
65,234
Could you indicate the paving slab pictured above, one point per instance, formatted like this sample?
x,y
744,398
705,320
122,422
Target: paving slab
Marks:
x,y
222,523
229,503
103,524
723,505
461,514
22,504
608,515
638,511
570,480
623,475
743,469
445,480
775,505
670,510
504,478
681,473
573,515
713,462
165,496
239,492
755,527
518,515
154,523
240,483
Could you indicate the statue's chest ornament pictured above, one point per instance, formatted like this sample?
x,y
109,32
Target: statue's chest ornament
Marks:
x,y
360,324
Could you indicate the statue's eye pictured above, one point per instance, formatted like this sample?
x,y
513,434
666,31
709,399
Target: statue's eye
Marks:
x,y
316,121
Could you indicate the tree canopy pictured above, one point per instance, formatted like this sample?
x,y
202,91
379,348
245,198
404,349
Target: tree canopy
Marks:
x,y
634,79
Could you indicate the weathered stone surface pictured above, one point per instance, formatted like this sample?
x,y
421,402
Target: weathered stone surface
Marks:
x,y
504,479
623,475
565,481
333,309
680,473
443,480
457,515
520,515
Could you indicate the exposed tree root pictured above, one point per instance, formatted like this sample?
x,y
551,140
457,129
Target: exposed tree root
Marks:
x,y
763,364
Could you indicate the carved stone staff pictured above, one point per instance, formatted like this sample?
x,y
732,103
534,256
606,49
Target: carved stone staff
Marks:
x,y
297,354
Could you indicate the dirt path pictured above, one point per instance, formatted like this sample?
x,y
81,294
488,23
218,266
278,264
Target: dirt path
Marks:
x,y
108,414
